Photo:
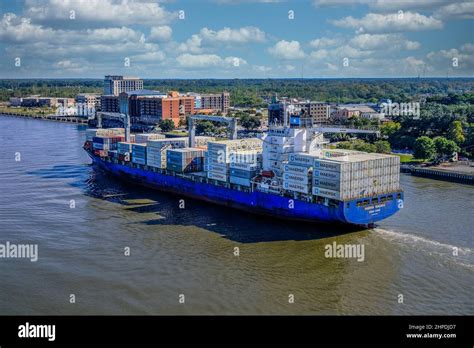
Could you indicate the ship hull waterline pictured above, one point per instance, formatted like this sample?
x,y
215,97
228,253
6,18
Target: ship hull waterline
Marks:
x,y
256,202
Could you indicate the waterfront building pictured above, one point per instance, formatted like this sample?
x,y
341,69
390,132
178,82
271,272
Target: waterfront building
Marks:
x,y
116,84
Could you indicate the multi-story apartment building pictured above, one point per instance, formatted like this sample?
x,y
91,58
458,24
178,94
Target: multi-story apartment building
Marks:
x,y
311,112
218,102
116,84
87,104
316,112
38,101
150,107
130,101
109,103
172,106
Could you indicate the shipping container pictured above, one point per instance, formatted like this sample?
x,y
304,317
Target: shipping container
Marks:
x,y
144,138
240,173
297,178
239,181
326,193
301,159
217,176
296,187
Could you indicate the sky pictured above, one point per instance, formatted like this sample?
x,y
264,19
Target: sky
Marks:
x,y
236,38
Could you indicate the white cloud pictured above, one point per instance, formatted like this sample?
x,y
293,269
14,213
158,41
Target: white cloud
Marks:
x,y
414,62
155,56
324,42
193,44
383,42
16,29
237,2
208,60
387,5
121,12
287,50
463,10
412,45
262,68
467,47
160,33
241,35
381,23
457,61
67,64
373,41
198,60
320,54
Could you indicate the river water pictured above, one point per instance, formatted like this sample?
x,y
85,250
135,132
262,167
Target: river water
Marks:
x,y
83,222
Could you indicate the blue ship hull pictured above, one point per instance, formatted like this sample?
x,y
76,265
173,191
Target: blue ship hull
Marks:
x,y
359,212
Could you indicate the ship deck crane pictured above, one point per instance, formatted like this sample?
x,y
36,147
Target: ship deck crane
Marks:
x,y
230,121
125,118
342,129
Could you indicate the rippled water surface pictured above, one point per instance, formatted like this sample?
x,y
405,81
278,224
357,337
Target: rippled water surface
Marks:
x,y
190,251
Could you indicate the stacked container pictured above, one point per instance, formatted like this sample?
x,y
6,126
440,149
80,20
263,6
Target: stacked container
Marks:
x,y
297,173
156,150
124,147
106,143
139,153
185,160
201,141
355,175
144,138
244,165
218,156
107,132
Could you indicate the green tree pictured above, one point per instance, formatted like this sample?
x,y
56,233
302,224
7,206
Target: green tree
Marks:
x,y
382,146
205,127
183,122
389,128
250,122
166,125
456,133
445,147
424,148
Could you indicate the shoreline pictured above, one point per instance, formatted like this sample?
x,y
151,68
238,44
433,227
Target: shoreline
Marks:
x,y
439,174
64,119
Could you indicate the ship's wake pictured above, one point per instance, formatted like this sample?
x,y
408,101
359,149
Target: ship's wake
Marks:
x,y
460,255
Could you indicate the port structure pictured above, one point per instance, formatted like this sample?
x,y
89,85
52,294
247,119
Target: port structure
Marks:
x,y
125,118
230,121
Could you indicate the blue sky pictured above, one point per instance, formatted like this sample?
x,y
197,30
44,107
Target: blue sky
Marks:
x,y
236,38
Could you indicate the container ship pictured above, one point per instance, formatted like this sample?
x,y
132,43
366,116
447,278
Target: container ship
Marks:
x,y
288,173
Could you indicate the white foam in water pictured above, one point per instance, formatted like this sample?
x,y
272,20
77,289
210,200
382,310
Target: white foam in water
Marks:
x,y
464,253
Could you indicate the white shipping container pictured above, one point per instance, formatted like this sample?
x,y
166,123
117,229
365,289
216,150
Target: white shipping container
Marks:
x,y
302,159
245,166
326,193
297,178
143,138
217,176
290,168
216,168
124,147
239,181
290,186
333,166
